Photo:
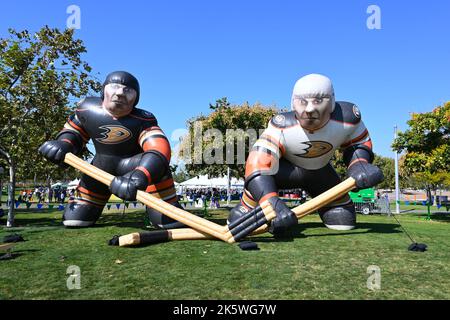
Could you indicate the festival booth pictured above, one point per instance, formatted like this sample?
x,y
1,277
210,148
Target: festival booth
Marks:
x,y
73,184
204,182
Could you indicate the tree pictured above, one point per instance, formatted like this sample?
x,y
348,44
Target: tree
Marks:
x,y
427,141
432,181
223,138
41,76
385,164
338,164
427,146
179,174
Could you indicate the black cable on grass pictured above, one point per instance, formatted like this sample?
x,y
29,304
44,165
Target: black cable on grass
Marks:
x,y
404,230
414,246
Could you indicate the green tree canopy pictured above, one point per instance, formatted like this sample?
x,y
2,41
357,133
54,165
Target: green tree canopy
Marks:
x,y
385,164
427,148
427,141
223,138
42,75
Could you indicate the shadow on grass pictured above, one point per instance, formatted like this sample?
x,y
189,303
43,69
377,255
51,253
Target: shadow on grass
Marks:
x,y
361,228
9,256
136,220
38,211
440,216
16,253
121,221
34,222
132,219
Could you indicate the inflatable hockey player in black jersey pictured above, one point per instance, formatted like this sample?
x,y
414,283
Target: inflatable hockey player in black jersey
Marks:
x,y
128,144
295,152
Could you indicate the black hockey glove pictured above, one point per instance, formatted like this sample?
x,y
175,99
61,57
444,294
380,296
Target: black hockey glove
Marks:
x,y
365,174
56,150
285,217
126,186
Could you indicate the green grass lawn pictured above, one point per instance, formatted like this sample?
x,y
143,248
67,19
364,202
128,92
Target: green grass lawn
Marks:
x,y
316,263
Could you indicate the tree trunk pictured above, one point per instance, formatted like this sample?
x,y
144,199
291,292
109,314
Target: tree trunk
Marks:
x,y
11,191
429,195
1,185
435,190
49,187
12,187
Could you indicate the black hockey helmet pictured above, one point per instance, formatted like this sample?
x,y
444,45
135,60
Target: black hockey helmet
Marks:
x,y
125,78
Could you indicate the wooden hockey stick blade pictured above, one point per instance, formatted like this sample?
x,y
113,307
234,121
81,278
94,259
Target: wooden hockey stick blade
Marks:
x,y
159,236
7,246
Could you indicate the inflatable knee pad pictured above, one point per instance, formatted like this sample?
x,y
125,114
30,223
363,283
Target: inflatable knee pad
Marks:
x,y
162,221
81,215
339,218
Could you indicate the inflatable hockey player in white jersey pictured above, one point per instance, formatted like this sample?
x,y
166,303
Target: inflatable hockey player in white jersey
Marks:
x,y
295,152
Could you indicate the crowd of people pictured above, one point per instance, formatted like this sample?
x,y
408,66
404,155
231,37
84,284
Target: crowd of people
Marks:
x,y
197,196
214,195
42,194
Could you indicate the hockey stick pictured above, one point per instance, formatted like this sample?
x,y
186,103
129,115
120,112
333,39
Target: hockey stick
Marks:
x,y
301,211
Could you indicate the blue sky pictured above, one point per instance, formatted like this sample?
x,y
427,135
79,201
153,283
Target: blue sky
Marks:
x,y
187,54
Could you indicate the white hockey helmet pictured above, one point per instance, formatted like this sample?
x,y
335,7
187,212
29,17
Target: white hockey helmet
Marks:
x,y
314,86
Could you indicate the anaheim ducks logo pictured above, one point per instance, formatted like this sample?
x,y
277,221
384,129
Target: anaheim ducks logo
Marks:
x,y
315,149
279,119
356,112
114,134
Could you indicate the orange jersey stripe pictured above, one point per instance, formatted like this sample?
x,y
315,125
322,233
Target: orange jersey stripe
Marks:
x,y
159,186
246,206
68,141
79,129
250,204
165,193
149,131
355,161
158,144
368,144
267,196
145,171
258,161
248,194
84,196
359,138
93,194
87,202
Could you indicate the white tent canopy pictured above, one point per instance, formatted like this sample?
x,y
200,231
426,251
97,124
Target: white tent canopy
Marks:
x,y
69,185
73,184
204,181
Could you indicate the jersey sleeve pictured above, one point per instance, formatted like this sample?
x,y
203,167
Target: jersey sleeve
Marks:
x,y
152,138
74,132
266,152
358,136
358,146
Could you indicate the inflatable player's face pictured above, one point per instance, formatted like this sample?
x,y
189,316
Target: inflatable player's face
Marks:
x,y
312,113
119,99
313,101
